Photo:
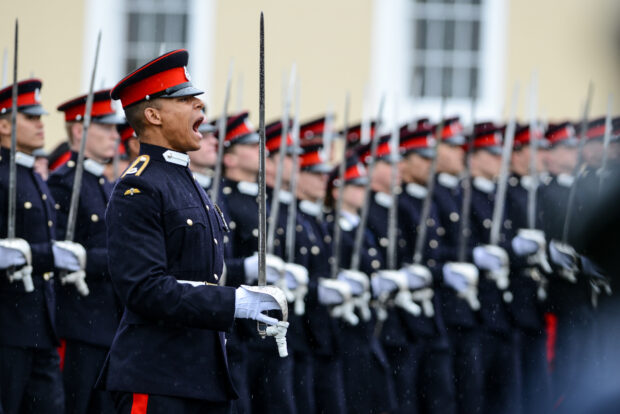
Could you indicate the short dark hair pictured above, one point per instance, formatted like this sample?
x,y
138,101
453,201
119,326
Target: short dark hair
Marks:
x,y
135,114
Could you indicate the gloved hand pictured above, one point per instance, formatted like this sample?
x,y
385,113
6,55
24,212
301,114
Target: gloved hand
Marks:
x,y
249,304
463,278
297,280
338,292
418,276
425,297
273,268
532,243
564,256
494,260
599,282
385,282
360,288
69,255
11,252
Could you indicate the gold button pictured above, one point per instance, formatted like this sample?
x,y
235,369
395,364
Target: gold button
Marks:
x,y
433,244
190,222
255,232
454,217
27,205
303,250
232,225
315,250
276,242
94,218
70,163
227,190
47,276
280,231
441,231
226,239
57,206
430,222
431,263
102,181
486,223
372,251
50,223
44,196
375,264
327,239
402,242
383,241
299,228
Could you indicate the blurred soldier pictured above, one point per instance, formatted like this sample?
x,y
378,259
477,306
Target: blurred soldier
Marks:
x,y
129,147
30,378
433,375
87,321
165,246
568,302
367,375
459,314
41,163
322,328
202,162
528,275
500,357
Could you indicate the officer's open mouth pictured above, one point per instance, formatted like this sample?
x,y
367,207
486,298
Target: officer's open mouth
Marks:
x,y
196,124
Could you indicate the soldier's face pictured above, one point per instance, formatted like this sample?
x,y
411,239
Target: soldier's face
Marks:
x,y
29,131
180,119
450,159
206,155
561,159
381,179
312,185
246,157
101,141
352,196
593,152
486,164
415,168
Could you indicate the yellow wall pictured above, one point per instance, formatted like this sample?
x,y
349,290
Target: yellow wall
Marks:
x,y
50,47
570,42
328,40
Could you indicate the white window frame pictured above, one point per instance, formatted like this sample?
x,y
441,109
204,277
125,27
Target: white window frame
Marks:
x,y
392,54
111,17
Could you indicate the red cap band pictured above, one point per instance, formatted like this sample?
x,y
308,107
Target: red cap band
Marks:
x,y
153,84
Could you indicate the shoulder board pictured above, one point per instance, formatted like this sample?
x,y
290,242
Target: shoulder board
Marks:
x,y
137,166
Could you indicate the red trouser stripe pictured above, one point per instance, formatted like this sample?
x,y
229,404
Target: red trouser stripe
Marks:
x,y
551,322
61,353
139,404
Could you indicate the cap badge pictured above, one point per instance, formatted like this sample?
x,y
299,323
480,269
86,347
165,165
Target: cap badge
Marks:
x,y
187,77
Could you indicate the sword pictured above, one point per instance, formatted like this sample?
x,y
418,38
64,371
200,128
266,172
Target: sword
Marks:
x,y
262,208
606,139
79,170
341,173
430,189
25,273
275,204
393,210
500,196
464,230
240,92
221,136
532,190
292,212
570,204
361,228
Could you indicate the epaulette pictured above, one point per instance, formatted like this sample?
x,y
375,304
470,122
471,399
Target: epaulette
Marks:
x,y
137,166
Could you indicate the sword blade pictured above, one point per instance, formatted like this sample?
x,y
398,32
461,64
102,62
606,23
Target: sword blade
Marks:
x,y
5,66
570,204
341,171
221,138
606,140
500,195
12,165
292,212
464,230
534,141
393,210
262,208
361,228
79,168
430,189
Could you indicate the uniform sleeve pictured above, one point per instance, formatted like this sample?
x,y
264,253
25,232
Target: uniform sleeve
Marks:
x,y
137,263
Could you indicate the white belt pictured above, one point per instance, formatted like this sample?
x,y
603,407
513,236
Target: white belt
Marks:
x,y
196,283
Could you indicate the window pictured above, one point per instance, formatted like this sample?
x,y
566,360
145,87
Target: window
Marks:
x,y
151,24
446,55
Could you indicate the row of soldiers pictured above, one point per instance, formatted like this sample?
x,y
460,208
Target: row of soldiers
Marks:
x,y
476,327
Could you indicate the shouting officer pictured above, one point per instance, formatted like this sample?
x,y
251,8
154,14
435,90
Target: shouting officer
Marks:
x,y
87,320
165,246
30,378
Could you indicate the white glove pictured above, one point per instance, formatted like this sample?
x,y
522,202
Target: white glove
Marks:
x,y
273,268
360,288
463,278
405,301
385,282
425,297
532,243
418,276
494,260
338,292
564,256
69,255
12,252
298,275
358,281
250,304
